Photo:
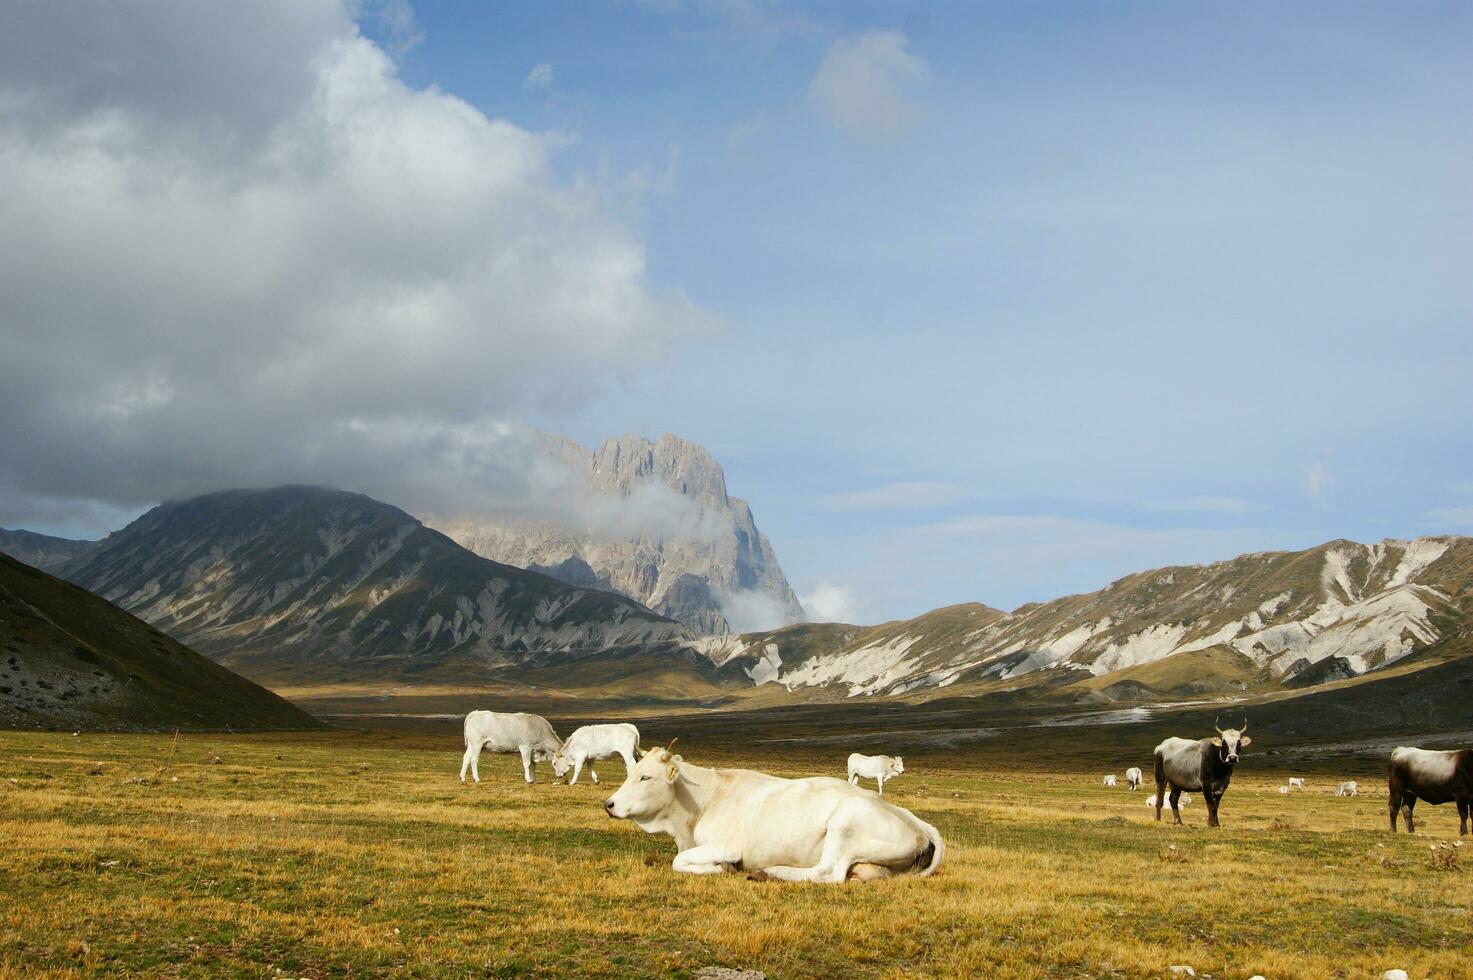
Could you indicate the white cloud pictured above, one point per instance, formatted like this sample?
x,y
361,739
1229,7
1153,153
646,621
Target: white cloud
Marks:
x,y
830,602
1317,480
763,20
394,17
863,85
1208,505
905,495
752,611
236,249
1452,516
539,78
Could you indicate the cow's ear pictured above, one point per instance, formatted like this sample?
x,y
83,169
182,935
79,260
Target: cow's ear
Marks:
x,y
642,752
672,773
1244,742
1217,742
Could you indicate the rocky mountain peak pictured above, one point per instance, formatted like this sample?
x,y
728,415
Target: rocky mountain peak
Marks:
x,y
705,565
622,463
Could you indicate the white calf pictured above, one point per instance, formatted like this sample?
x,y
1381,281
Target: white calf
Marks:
x,y
593,742
530,735
876,767
1347,788
1133,777
1185,799
1296,782
1110,780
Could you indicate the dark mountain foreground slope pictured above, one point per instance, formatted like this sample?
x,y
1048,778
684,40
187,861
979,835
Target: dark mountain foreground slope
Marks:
x,y
71,660
313,585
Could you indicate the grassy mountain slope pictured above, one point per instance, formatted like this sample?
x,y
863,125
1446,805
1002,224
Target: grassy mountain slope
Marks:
x,y
71,660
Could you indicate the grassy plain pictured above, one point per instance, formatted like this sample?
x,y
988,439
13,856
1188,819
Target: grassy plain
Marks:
x,y
359,854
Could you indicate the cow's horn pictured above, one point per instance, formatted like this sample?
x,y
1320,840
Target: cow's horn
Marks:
x,y
670,749
1245,725
1217,724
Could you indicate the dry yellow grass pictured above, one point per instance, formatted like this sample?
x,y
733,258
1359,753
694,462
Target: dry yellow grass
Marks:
x,y
351,854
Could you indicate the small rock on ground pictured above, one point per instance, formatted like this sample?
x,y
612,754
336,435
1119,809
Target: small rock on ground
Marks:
x,y
727,973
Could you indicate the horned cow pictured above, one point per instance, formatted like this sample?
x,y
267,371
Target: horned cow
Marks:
x,y
1205,765
1437,777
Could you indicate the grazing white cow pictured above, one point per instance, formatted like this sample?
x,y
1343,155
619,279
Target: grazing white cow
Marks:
x,y
815,829
1296,782
1185,799
1110,779
1347,788
1133,777
530,735
876,767
593,742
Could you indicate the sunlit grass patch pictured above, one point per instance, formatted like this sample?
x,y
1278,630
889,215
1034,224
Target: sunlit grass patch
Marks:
x,y
304,854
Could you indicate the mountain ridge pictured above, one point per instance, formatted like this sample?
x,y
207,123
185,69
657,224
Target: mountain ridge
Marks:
x,y
1339,609
297,580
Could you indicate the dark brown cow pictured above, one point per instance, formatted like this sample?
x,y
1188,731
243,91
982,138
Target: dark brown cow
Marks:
x,y
1437,777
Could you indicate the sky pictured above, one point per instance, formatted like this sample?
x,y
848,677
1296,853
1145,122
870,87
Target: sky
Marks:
x,y
973,302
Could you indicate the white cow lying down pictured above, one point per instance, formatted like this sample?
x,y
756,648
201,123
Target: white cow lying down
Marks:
x,y
530,735
1110,780
877,767
592,742
816,829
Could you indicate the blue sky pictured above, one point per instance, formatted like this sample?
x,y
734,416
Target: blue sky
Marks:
x,y
1000,302
1161,282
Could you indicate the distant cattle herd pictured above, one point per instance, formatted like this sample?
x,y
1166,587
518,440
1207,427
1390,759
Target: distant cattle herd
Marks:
x,y
831,830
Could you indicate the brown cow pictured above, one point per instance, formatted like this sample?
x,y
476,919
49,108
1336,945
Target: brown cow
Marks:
x,y
1437,777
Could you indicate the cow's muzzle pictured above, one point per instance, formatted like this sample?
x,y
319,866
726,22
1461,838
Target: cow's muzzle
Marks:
x,y
609,806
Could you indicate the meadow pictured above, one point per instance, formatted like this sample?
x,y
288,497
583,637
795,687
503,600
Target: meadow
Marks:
x,y
347,853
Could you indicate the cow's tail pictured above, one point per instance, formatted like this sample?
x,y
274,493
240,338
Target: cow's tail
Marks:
x,y
933,854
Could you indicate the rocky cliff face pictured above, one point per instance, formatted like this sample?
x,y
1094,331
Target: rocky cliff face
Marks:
x,y
1276,619
665,533
310,583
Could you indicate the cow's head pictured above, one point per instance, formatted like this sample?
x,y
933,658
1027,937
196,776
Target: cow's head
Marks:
x,y
561,763
1231,741
897,766
649,789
